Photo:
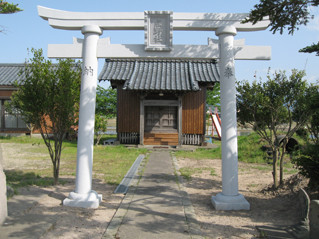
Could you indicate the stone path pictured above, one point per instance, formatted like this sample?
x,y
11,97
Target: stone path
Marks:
x,y
157,207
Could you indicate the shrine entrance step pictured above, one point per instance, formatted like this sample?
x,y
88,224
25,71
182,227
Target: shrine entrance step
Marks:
x,y
161,139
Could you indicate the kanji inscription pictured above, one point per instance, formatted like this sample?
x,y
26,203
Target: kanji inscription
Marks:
x,y
158,31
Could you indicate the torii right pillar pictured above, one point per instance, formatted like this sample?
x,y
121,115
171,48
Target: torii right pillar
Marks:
x,y
229,198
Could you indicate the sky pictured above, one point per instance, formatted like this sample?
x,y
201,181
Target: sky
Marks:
x,y
26,30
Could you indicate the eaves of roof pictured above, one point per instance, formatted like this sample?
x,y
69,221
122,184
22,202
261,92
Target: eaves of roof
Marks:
x,y
160,74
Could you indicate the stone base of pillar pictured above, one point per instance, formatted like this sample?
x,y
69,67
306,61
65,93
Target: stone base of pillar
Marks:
x,y
222,202
90,200
3,195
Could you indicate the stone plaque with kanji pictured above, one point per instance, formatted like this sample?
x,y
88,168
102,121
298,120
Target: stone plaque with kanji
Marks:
x,y
158,30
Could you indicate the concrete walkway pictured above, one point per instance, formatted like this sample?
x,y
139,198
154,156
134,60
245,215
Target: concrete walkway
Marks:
x,y
156,206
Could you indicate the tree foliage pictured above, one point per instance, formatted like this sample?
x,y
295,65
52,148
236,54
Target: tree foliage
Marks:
x,y
100,127
49,99
313,122
310,49
6,8
275,109
105,109
285,14
106,102
307,159
213,96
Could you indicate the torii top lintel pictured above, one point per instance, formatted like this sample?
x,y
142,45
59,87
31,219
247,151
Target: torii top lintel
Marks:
x,y
135,20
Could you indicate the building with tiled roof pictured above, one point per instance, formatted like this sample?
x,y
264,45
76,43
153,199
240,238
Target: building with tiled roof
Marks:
x,y
160,101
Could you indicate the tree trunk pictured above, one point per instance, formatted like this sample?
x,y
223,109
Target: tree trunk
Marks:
x,y
56,175
30,127
57,156
98,138
274,164
284,144
56,169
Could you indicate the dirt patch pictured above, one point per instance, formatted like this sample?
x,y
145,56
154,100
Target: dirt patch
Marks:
x,y
40,208
37,212
267,208
79,222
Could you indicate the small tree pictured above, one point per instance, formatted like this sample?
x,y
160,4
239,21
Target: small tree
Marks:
x,y
49,98
277,107
99,127
213,96
105,109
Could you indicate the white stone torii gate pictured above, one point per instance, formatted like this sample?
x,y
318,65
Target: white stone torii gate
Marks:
x,y
225,25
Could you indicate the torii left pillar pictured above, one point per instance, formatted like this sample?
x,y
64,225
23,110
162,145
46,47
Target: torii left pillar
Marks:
x,y
84,196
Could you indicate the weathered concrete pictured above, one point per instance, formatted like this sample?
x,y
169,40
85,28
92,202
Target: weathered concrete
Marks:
x,y
157,207
314,219
3,192
21,221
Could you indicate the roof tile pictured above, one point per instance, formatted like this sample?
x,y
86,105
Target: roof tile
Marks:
x,y
9,73
160,74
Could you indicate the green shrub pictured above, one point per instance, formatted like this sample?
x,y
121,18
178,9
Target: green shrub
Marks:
x,y
307,161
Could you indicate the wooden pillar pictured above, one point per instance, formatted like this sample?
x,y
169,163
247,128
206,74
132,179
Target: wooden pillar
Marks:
x,y
180,120
142,120
204,111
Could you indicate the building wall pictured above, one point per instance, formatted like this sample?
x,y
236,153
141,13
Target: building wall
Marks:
x,y
6,93
194,112
193,116
128,113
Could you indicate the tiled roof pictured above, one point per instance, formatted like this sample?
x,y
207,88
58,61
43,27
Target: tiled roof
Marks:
x,y
157,74
9,73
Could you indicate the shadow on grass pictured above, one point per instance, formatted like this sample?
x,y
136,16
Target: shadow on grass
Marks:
x,y
18,179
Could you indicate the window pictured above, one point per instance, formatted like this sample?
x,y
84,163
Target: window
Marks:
x,y
11,121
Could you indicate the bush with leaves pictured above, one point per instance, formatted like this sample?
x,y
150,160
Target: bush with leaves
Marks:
x,y
307,162
307,159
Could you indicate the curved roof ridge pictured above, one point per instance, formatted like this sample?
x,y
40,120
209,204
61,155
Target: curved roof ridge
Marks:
x,y
160,74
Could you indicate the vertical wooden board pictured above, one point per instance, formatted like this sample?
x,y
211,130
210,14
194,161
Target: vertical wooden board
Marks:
x,y
128,111
193,112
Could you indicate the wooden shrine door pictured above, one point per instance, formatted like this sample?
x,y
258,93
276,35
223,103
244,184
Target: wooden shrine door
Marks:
x,y
161,119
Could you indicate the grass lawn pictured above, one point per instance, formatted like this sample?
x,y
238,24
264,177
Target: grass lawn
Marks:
x,y
249,151
110,163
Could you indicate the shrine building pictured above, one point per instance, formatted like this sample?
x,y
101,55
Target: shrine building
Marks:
x,y
161,101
